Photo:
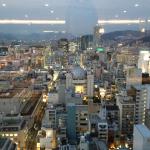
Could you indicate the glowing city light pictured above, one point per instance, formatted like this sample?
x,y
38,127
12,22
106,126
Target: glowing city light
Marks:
x,y
102,30
37,22
21,70
45,98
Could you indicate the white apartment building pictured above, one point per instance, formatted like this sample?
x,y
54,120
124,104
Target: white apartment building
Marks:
x,y
141,137
144,61
127,112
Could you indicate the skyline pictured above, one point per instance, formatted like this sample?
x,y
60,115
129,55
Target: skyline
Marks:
x,y
74,74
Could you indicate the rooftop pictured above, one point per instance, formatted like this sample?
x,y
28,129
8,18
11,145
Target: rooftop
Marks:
x,y
125,99
94,118
12,125
10,93
78,73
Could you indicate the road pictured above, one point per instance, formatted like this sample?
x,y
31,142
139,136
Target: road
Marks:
x,y
32,133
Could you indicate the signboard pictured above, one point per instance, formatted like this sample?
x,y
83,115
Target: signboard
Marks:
x,y
100,49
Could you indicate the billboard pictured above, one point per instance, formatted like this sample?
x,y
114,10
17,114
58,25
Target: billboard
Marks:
x,y
100,49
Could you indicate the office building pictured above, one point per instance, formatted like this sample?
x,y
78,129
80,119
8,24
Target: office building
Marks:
x,y
71,122
81,80
126,106
133,77
144,61
77,121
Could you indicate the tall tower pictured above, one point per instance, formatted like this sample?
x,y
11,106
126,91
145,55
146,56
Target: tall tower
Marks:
x,y
71,122
68,80
98,31
90,84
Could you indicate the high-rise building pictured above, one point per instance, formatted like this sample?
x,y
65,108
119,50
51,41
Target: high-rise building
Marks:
x,y
127,112
84,145
147,119
98,127
63,45
141,99
103,130
141,137
4,57
81,80
86,42
127,56
77,121
144,61
4,51
133,77
98,31
139,111
47,57
71,122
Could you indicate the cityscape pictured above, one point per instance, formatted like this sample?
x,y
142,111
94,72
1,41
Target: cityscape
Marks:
x,y
69,85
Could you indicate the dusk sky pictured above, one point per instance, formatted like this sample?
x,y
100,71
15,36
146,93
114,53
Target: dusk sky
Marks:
x,y
81,15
